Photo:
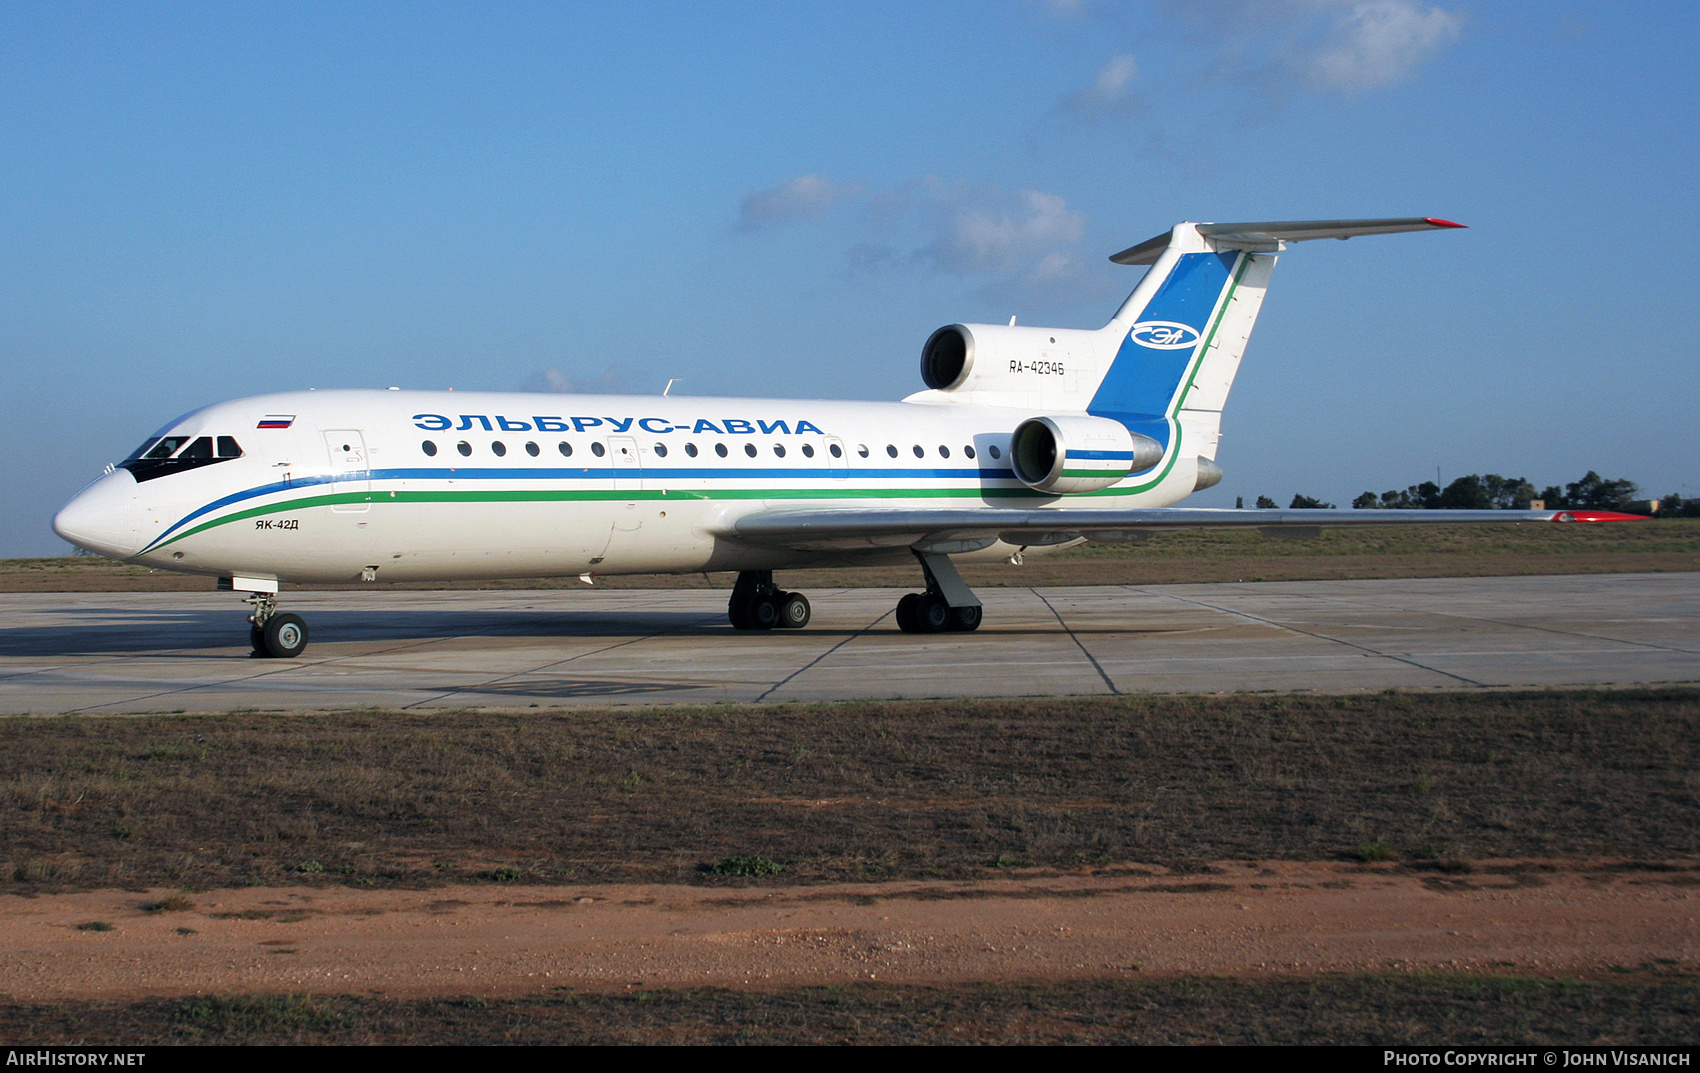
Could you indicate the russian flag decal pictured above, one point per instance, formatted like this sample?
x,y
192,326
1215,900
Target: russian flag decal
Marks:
x,y
276,421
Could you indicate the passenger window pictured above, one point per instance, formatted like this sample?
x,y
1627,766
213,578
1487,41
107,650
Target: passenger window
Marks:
x,y
808,451
918,452
995,452
838,452
429,448
227,447
597,449
944,452
969,450
750,449
464,448
862,449
566,449
691,449
661,450
720,449
498,448
891,450
779,449
532,449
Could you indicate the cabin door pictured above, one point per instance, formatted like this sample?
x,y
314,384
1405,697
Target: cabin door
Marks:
x,y
352,476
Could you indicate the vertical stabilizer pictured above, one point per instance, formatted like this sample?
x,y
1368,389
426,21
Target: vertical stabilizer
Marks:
x,y
1180,335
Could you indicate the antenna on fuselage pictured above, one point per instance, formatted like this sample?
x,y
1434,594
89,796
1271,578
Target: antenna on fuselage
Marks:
x,y
671,381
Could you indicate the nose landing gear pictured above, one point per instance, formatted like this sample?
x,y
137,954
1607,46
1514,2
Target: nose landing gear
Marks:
x,y
758,604
278,636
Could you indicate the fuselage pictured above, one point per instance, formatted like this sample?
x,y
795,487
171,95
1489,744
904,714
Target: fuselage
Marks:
x,y
336,486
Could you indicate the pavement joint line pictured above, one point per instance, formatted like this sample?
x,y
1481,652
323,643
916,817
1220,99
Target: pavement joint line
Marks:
x,y
1108,681
238,681
858,634
1350,602
444,695
1318,636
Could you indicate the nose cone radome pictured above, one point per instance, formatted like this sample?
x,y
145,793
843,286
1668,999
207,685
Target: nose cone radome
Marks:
x,y
101,518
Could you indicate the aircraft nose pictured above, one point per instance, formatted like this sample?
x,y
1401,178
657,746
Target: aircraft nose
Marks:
x,y
101,518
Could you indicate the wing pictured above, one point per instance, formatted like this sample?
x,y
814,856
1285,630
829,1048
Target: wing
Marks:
x,y
952,531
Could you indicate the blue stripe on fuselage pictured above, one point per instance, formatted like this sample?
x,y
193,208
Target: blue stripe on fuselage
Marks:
x,y
600,473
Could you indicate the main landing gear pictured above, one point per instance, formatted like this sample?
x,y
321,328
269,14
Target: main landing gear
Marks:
x,y
948,605
274,635
758,604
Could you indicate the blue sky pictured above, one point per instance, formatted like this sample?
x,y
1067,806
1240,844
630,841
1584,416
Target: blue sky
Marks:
x,y
199,202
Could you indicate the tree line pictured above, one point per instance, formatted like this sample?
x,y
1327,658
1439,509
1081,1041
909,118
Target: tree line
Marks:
x,y
1490,491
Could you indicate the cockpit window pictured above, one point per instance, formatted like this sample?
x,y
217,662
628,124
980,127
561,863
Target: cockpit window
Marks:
x,y
164,447
174,454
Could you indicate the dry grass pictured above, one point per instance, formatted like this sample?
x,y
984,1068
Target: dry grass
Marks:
x,y
844,791
1649,1008
1190,557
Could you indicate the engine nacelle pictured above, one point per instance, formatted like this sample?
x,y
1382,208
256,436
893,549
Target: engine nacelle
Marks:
x,y
1072,454
962,358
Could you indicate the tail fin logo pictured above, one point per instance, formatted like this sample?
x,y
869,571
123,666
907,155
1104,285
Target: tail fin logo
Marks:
x,y
1164,335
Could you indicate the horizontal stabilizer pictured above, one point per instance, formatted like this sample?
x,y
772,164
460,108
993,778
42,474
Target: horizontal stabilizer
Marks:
x,y
1271,232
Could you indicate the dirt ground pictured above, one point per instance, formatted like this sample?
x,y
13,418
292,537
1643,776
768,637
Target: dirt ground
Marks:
x,y
1237,919
1425,867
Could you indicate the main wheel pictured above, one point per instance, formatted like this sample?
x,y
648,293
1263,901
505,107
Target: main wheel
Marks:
x,y
764,613
965,619
285,636
907,620
933,614
793,611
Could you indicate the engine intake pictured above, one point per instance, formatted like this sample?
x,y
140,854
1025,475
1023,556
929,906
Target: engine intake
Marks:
x,y
1074,454
947,357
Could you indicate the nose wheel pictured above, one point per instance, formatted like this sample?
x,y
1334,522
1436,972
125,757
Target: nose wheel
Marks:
x,y
758,604
274,635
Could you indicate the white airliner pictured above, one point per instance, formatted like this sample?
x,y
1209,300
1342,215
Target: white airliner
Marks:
x,y
1026,439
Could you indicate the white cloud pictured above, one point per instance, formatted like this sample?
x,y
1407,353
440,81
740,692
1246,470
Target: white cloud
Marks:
x,y
1015,243
1378,42
1111,92
805,197
1267,48
1003,235
550,379
614,380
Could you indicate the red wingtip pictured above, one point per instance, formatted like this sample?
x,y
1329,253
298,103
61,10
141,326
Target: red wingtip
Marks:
x,y
1437,222
1599,516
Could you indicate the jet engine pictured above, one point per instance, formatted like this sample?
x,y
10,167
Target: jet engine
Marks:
x,y
1075,453
963,358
